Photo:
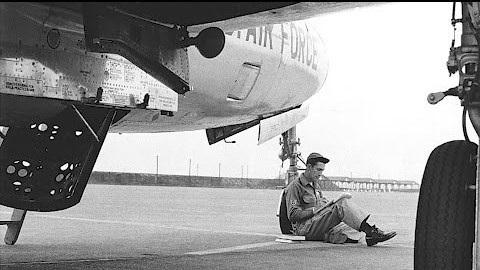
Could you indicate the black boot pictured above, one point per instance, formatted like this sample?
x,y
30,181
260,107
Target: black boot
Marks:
x,y
373,234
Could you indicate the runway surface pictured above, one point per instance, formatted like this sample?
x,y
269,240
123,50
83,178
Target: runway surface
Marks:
x,y
141,227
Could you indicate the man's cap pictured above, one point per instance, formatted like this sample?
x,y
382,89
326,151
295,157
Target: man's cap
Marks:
x,y
318,157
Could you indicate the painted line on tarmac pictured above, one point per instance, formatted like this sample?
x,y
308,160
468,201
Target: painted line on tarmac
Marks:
x,y
152,225
204,252
243,247
397,245
230,249
179,227
70,261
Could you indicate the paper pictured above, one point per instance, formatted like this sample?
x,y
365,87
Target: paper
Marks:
x,y
344,195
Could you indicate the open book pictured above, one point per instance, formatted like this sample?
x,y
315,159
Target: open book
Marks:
x,y
344,195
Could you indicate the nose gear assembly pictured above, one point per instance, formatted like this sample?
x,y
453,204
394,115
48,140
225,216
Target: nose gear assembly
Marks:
x,y
453,167
464,59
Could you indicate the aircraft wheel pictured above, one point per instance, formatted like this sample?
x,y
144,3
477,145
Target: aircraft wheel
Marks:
x,y
445,224
285,225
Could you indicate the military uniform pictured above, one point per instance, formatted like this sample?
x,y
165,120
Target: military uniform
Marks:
x,y
303,198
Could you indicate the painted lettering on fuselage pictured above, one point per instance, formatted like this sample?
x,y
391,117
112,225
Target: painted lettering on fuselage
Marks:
x,y
19,86
291,38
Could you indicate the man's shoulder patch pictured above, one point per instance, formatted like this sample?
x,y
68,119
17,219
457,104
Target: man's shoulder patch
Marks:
x,y
293,202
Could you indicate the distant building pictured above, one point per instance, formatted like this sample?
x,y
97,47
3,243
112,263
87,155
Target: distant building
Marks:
x,y
370,184
366,184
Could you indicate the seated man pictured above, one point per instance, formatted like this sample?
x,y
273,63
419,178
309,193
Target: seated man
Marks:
x,y
313,216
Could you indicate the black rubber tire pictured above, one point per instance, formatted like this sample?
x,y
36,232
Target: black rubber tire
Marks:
x,y
445,224
285,225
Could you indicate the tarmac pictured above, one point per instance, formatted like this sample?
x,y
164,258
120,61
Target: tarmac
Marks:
x,y
154,227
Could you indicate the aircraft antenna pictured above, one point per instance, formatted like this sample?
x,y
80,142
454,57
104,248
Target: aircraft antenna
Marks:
x,y
452,63
454,23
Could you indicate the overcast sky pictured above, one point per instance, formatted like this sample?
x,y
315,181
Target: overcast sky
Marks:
x,y
371,118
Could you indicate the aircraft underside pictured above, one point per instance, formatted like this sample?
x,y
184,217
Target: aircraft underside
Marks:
x,y
68,77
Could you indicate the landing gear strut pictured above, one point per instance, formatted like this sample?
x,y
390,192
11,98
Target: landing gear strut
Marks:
x,y
14,226
289,150
448,214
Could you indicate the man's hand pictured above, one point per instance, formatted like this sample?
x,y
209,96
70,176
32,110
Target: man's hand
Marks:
x,y
327,204
324,200
345,195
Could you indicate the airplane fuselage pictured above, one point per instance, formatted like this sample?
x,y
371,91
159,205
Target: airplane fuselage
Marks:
x,y
61,92
260,71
